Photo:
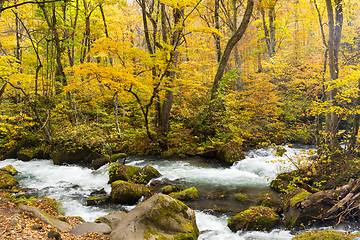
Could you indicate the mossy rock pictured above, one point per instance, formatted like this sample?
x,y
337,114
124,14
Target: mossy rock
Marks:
x,y
169,189
26,154
126,192
299,196
74,156
132,173
98,163
328,235
117,156
282,181
185,195
146,174
159,217
295,217
122,172
241,197
267,201
7,181
230,153
97,200
255,218
9,169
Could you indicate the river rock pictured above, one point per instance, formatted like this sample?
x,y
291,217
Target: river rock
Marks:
x,y
159,217
132,173
10,170
112,219
118,157
122,172
76,156
147,173
126,192
170,188
186,195
255,218
97,200
7,181
98,163
90,227
46,218
281,182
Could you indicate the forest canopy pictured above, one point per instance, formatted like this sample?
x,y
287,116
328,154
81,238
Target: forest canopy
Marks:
x,y
179,77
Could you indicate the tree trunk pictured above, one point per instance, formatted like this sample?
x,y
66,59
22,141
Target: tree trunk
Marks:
x,y
226,55
175,42
272,28
52,23
269,32
335,28
217,27
71,49
1,6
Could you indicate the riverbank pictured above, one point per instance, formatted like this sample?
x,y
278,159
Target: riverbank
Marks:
x,y
17,224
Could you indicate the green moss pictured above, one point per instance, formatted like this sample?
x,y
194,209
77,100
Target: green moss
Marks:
x,y
122,172
168,210
328,235
290,221
169,189
97,200
281,182
186,236
241,197
117,156
126,192
26,154
185,195
10,169
299,197
146,174
255,218
150,233
7,181
265,200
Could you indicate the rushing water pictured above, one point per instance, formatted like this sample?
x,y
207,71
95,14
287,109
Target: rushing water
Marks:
x,y
72,185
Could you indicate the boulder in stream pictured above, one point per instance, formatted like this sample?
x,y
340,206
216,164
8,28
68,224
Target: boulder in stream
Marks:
x,y
97,200
186,195
255,218
122,172
147,173
99,162
126,192
9,169
74,156
159,217
132,173
6,177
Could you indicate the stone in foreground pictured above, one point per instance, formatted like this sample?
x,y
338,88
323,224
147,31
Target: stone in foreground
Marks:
x,y
159,217
90,227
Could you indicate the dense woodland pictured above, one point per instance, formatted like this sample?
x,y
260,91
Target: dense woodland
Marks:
x,y
179,77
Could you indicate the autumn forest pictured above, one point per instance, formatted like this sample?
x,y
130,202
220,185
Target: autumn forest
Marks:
x,y
179,77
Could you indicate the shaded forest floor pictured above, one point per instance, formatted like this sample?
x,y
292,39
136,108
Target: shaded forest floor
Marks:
x,y
16,224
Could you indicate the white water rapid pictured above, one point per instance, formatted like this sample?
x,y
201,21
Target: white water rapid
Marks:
x,y
72,185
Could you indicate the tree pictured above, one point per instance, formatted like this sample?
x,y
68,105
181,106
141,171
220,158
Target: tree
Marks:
x,y
235,38
335,23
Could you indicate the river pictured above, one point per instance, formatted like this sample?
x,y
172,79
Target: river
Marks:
x,y
72,185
